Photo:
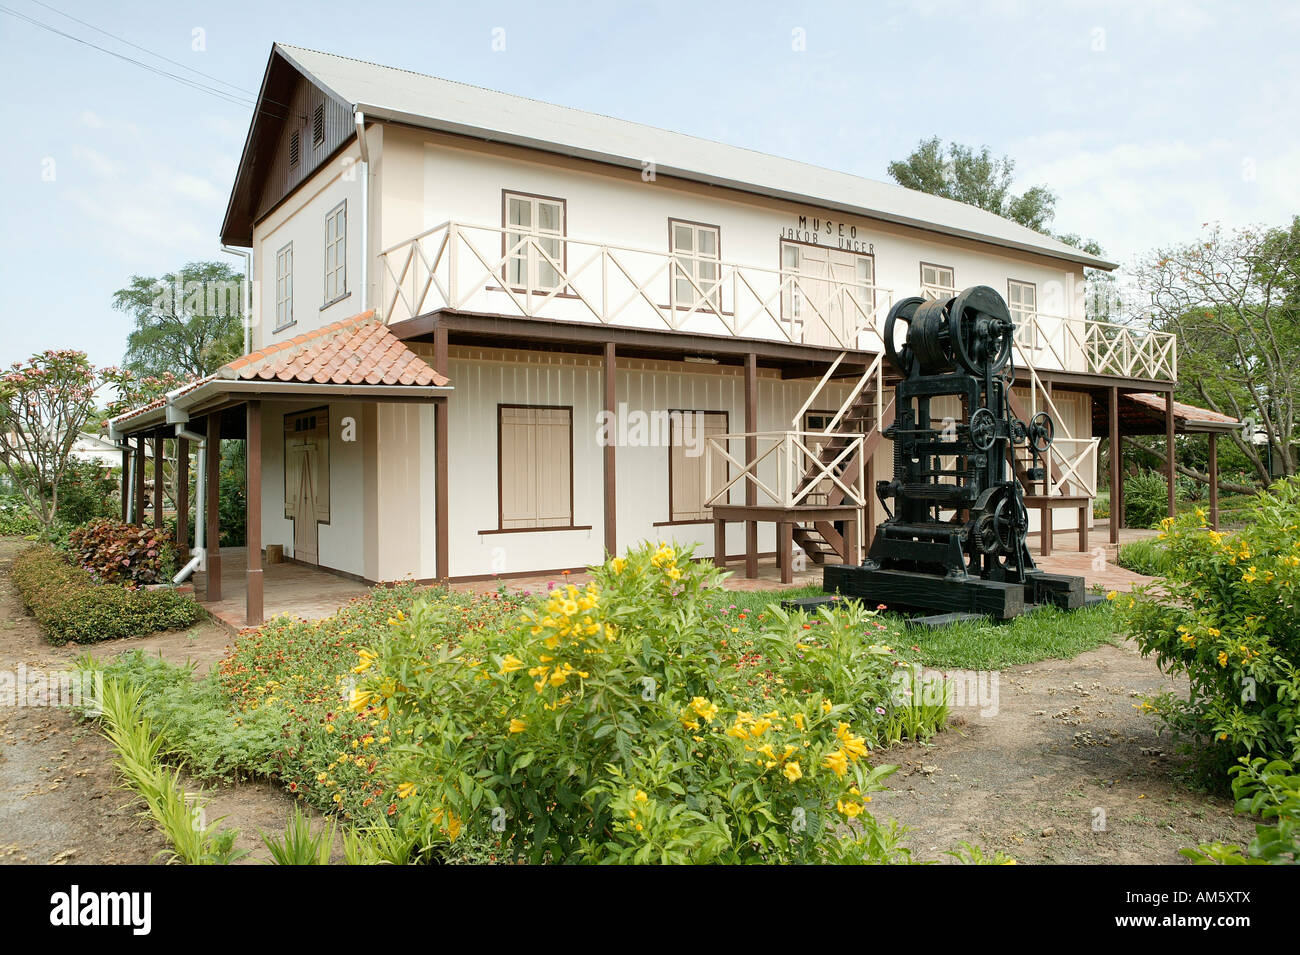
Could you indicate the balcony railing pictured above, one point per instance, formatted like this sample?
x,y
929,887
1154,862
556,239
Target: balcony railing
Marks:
x,y
787,470
494,270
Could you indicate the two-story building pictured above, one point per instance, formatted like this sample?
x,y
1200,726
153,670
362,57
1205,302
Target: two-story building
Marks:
x,y
493,336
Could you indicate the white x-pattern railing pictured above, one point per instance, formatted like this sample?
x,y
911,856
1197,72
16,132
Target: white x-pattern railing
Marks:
x,y
786,468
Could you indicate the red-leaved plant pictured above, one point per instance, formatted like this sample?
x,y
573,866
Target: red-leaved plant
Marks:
x,y
122,553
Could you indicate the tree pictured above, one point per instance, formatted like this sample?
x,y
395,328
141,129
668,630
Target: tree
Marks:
x,y
1233,300
975,178
188,323
44,404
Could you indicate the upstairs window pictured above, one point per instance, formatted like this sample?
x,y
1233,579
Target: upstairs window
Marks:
x,y
284,287
336,236
1022,298
695,271
534,242
937,281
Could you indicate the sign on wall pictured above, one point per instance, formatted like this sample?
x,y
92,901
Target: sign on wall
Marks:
x,y
817,230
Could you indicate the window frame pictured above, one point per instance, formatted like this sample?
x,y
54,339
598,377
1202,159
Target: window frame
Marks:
x,y
501,528
675,417
935,287
284,280
532,260
1031,339
341,265
712,302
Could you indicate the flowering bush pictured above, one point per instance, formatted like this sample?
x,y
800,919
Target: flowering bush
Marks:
x,y
298,675
611,722
117,552
1227,616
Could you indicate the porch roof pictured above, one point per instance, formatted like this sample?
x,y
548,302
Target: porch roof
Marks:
x,y
354,357
1188,419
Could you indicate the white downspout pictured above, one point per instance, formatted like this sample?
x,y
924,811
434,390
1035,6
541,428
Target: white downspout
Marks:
x,y
247,293
199,560
359,118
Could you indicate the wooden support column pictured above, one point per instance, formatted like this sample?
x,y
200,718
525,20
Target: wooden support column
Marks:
x,y
751,452
1214,480
253,515
126,480
1116,475
610,475
1171,474
138,509
868,512
784,550
719,543
159,458
441,508
183,494
212,491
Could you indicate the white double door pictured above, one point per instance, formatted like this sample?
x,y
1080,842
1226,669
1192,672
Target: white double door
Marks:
x,y
832,293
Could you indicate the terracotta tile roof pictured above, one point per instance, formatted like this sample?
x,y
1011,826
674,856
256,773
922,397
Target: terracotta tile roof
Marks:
x,y
1184,412
355,351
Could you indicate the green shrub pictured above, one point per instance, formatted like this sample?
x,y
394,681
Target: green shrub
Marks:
x,y
1147,556
612,723
1101,504
1270,790
88,490
17,519
1146,498
1227,616
72,607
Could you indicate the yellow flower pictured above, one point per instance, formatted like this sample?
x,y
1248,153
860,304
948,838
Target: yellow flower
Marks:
x,y
826,706
1223,659
360,700
511,663
367,659
1112,595
792,771
517,725
618,564
850,809
640,796
704,709
837,762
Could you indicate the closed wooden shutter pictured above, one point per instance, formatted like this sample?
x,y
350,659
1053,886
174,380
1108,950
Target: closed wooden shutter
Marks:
x,y
691,433
536,463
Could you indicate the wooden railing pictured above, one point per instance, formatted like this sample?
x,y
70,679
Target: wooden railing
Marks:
x,y
469,267
786,469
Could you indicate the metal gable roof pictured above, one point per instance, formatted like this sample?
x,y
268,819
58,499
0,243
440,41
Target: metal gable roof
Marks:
x,y
397,95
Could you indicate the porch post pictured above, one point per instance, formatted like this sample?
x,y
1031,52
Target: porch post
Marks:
x,y
751,452
159,444
183,494
138,509
441,509
126,479
253,515
212,488
1170,473
1214,480
1116,477
611,481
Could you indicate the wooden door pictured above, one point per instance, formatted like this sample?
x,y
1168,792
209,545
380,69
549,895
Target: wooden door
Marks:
x,y
306,529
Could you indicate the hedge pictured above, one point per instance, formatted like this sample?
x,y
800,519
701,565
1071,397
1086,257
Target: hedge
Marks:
x,y
72,608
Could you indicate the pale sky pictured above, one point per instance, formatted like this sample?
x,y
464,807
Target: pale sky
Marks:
x,y
1147,118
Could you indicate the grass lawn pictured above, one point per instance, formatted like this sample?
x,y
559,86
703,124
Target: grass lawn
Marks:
x,y
978,645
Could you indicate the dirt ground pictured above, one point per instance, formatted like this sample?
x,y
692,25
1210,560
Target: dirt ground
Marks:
x,y
1066,750
1067,770
60,797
